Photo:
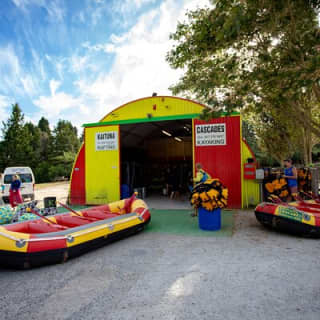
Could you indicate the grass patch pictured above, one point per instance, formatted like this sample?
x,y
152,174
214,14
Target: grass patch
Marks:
x,y
180,222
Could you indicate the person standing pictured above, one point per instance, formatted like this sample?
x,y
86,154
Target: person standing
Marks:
x,y
2,191
201,175
290,173
14,192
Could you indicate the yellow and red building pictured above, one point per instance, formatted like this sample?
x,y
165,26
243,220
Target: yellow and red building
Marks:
x,y
160,131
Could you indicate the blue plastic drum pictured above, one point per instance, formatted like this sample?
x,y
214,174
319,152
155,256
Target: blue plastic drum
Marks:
x,y
209,220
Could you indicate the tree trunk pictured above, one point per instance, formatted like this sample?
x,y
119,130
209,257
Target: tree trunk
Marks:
x,y
307,144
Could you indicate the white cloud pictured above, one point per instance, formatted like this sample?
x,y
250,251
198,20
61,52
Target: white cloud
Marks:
x,y
5,103
39,64
54,85
53,105
29,85
118,39
60,105
128,6
10,71
78,64
106,47
14,78
21,4
9,59
59,65
54,11
139,67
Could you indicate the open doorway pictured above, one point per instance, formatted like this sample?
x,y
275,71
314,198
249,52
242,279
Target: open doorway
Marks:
x,y
156,161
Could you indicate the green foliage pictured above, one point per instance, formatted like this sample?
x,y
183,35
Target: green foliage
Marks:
x,y
66,137
16,145
260,56
50,155
43,125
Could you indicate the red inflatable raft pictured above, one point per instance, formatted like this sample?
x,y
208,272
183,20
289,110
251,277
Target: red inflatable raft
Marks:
x,y
302,217
60,237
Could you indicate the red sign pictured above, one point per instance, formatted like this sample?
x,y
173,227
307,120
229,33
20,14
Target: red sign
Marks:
x,y
221,156
249,171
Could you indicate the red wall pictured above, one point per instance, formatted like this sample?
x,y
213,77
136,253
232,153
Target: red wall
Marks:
x,y
77,185
224,161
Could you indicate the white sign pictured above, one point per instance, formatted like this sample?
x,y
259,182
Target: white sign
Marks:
x,y
107,140
259,174
211,134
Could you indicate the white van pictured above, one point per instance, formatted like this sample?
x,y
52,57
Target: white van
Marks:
x,y
27,182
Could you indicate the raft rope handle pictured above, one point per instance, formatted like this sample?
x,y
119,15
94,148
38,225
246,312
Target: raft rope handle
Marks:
x,y
33,239
69,237
140,216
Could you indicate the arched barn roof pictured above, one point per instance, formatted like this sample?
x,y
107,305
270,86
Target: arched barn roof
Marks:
x,y
151,109
172,114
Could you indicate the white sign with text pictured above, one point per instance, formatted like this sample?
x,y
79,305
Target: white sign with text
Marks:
x,y
106,141
211,134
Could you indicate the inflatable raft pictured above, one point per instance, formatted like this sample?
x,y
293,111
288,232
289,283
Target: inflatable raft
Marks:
x,y
300,217
60,237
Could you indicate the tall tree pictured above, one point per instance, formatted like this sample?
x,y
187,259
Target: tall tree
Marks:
x,y
257,54
43,125
66,144
35,141
46,139
66,137
16,144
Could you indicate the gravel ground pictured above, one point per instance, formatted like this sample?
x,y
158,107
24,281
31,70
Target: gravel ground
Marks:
x,y
255,274
59,190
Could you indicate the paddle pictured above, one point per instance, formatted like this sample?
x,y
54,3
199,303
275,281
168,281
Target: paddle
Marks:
x,y
76,213
48,220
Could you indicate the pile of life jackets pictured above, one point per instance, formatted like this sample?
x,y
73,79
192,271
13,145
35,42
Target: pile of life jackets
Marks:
x,y
210,195
278,187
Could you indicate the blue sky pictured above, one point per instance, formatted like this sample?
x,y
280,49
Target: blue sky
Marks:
x,y
79,59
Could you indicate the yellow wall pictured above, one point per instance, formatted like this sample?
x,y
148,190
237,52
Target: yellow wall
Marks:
x,y
102,168
250,188
144,109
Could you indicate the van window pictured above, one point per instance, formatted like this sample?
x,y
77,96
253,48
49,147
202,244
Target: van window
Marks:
x,y
24,177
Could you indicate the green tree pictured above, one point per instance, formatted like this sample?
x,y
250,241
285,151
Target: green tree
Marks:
x,y
46,139
16,146
65,145
43,125
261,55
35,135
65,137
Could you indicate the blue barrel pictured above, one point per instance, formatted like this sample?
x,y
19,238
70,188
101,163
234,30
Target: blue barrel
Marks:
x,y
209,220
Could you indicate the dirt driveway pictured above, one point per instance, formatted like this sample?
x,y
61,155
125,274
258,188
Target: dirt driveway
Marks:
x,y
56,189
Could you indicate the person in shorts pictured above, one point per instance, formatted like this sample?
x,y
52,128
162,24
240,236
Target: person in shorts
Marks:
x,y
291,174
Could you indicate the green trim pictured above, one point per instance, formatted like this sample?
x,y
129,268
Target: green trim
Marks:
x,y
152,119
234,113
